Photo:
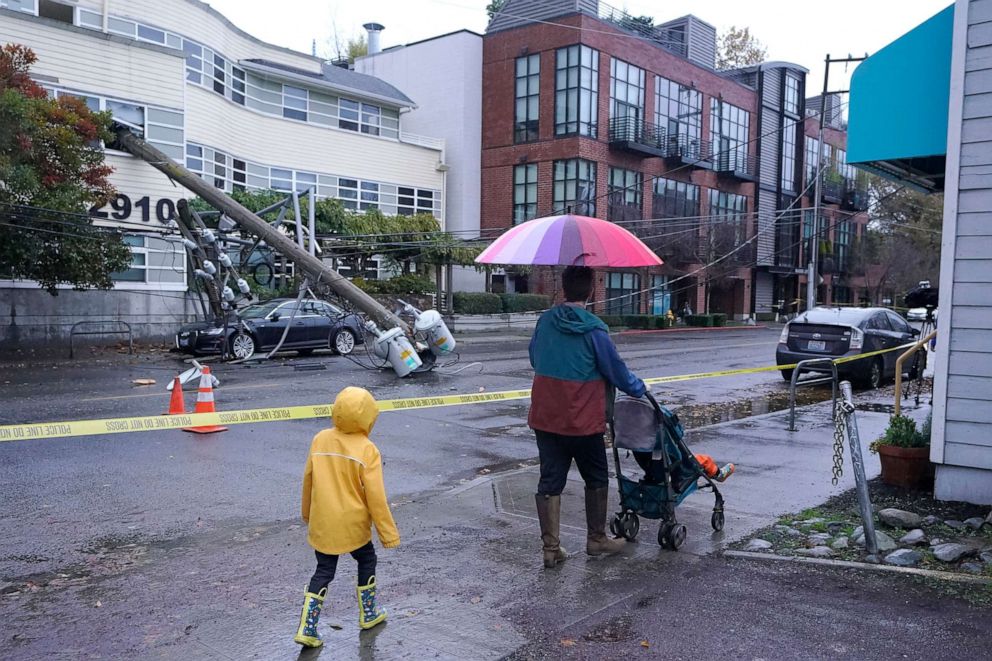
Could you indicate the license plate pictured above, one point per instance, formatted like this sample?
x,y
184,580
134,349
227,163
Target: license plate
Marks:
x,y
816,345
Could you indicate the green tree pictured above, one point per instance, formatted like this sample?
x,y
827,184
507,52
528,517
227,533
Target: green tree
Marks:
x,y
737,47
356,47
51,170
494,7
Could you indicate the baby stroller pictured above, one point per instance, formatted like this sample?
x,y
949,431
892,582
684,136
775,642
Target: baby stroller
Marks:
x,y
671,471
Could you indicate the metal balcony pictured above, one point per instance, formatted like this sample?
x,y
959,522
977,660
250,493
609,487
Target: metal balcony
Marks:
x,y
855,198
651,140
738,165
832,187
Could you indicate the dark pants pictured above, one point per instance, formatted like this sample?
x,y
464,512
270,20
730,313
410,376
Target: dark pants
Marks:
x,y
328,564
558,451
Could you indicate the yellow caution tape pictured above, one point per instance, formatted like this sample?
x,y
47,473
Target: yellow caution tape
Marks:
x,y
42,430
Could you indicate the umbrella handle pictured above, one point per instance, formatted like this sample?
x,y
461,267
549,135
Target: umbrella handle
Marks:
x,y
580,256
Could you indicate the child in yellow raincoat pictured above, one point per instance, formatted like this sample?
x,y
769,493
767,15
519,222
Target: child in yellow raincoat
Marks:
x,y
343,495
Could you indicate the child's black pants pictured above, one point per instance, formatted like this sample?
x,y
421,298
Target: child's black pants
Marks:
x,y
327,565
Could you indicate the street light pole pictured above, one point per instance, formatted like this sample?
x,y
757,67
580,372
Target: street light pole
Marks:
x,y
814,240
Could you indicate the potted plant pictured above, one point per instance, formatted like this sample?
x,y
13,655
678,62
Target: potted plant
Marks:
x,y
904,452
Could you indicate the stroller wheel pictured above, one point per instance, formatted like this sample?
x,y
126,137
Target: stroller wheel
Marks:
x,y
717,520
631,525
676,536
616,525
663,535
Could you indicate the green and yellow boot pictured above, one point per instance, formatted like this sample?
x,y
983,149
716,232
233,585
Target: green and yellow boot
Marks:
x,y
307,634
369,614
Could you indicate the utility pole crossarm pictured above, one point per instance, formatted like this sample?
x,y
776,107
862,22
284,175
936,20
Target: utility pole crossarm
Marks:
x,y
314,268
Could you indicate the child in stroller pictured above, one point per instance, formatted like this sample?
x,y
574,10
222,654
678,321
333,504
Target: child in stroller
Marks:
x,y
671,472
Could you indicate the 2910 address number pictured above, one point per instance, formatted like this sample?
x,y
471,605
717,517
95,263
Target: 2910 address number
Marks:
x,y
122,208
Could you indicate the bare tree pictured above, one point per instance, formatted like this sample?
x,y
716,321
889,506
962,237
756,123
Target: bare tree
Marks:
x,y
737,47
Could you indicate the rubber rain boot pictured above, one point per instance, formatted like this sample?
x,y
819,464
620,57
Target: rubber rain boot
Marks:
x,y
369,613
549,515
307,634
597,543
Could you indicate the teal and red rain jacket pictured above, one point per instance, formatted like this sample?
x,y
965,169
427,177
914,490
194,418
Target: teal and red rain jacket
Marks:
x,y
576,368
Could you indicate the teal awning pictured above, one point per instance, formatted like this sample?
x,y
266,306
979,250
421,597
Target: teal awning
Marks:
x,y
897,121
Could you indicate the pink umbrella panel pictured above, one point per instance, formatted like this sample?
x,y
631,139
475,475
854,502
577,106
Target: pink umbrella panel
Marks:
x,y
569,241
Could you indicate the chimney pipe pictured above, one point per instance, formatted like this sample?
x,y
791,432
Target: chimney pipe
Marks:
x,y
374,31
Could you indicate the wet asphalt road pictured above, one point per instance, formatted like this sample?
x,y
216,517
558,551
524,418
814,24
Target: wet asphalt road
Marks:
x,y
183,546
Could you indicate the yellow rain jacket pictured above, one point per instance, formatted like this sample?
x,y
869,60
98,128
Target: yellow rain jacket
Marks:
x,y
343,491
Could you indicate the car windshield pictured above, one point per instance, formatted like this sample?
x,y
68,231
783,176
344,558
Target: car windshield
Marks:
x,y
258,311
842,316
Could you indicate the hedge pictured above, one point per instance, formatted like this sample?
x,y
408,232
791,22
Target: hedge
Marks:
x,y
397,286
524,302
477,303
611,320
699,320
719,319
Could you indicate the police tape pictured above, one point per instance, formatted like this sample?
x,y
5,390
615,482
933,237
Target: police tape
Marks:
x,y
100,427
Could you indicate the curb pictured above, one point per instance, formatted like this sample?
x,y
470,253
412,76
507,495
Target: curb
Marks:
x,y
929,573
690,329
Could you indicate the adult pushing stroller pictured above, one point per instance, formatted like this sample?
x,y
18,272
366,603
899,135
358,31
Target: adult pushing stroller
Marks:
x,y
671,471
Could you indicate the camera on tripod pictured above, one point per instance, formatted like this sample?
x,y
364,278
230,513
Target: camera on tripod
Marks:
x,y
922,296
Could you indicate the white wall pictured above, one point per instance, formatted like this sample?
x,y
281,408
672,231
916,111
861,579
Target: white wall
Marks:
x,y
443,76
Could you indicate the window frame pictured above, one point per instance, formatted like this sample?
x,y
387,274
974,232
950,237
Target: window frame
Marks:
x,y
576,91
622,299
525,189
567,178
628,185
526,124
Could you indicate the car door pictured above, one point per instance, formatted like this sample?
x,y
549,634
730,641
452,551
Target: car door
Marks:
x,y
273,330
317,324
902,332
330,320
889,340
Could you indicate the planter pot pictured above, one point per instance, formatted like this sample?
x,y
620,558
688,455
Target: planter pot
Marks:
x,y
909,468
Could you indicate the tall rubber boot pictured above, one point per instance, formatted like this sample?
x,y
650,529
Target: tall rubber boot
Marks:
x,y
307,634
369,613
549,516
597,543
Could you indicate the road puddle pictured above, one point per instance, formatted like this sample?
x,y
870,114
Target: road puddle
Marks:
x,y
694,416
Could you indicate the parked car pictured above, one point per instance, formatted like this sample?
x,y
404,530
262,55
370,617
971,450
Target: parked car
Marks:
x,y
316,325
919,314
846,331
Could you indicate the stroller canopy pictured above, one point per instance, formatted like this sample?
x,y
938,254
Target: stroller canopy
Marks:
x,y
636,425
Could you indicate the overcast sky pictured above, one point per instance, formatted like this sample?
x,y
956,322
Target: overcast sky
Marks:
x,y
800,31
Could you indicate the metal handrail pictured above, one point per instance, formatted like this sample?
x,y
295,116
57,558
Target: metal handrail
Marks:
x,y
123,328
806,364
900,360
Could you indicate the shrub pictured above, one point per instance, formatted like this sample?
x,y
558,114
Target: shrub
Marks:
x,y
699,320
611,320
902,433
525,302
661,322
477,303
719,319
640,321
398,286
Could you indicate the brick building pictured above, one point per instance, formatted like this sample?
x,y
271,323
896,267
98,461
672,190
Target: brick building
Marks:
x,y
588,110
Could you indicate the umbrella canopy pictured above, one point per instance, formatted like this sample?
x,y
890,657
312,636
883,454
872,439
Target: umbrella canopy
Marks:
x,y
569,241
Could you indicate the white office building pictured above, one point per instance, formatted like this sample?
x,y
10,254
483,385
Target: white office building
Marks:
x,y
242,113
443,76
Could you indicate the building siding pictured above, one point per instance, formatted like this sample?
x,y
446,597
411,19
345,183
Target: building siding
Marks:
x,y
964,390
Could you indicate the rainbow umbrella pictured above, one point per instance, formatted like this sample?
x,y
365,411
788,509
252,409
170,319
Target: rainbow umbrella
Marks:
x,y
569,241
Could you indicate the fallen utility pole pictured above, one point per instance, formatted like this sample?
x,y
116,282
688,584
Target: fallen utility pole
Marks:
x,y
316,270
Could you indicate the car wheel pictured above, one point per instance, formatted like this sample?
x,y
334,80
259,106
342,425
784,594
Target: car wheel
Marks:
x,y
786,374
242,345
876,374
343,341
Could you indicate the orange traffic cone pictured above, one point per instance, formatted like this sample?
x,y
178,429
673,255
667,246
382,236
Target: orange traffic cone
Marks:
x,y
205,404
177,405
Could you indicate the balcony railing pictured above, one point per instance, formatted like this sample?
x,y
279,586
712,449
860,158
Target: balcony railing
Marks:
x,y
736,164
647,138
855,197
832,186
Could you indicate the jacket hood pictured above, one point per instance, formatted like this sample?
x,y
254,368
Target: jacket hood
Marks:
x,y
575,320
354,411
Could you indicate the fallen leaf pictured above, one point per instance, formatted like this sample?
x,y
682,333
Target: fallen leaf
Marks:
x,y
98,604
476,600
568,642
645,643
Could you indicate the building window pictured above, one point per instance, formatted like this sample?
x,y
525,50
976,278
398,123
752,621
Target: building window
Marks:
x,y
789,128
294,103
528,85
524,193
139,261
412,201
812,153
729,128
791,101
624,195
626,96
843,245
575,187
675,199
576,90
26,6
370,196
678,112
808,217
727,219
623,293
